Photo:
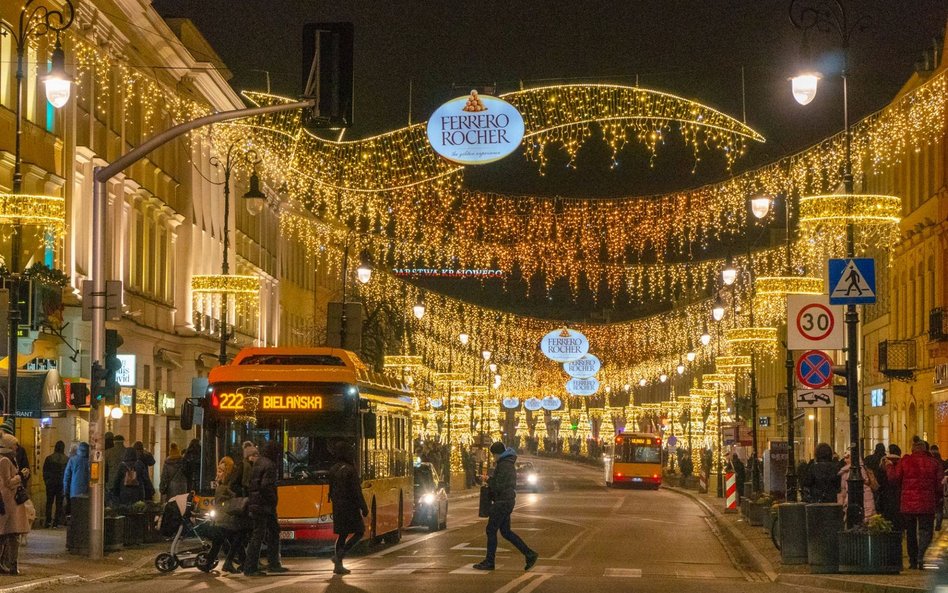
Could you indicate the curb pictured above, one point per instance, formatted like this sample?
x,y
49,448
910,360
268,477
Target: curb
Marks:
x,y
72,579
464,496
761,564
841,584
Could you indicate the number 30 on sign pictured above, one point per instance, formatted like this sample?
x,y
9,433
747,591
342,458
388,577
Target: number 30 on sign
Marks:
x,y
813,323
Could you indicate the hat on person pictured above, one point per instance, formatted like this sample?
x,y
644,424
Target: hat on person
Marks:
x,y
118,439
7,426
8,444
498,448
251,451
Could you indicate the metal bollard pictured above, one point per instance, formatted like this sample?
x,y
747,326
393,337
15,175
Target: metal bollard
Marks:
x,y
793,532
823,522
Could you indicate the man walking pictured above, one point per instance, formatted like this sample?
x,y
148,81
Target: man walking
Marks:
x,y
54,467
263,512
348,504
503,493
920,477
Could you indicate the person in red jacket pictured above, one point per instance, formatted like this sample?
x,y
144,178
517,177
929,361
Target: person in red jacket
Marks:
x,y
920,477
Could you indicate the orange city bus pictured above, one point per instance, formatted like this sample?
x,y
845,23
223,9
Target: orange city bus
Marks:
x,y
634,459
308,399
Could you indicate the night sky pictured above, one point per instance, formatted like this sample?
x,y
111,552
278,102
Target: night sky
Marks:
x,y
695,49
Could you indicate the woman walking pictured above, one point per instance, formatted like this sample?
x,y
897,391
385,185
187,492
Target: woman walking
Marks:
x,y
348,504
15,520
232,528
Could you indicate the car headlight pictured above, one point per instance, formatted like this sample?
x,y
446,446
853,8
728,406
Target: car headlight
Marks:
x,y
531,478
428,498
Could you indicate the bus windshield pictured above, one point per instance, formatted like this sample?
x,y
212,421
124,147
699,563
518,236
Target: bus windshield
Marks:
x,y
630,452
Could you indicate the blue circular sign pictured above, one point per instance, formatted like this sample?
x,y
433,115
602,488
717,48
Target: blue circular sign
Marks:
x,y
815,369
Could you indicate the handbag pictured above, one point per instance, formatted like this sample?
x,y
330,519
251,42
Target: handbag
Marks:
x,y
485,503
236,506
21,495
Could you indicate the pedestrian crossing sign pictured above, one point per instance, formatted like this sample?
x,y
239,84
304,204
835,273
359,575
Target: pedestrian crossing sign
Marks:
x,y
852,281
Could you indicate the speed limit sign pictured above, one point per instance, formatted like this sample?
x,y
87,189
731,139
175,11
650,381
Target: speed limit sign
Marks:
x,y
814,324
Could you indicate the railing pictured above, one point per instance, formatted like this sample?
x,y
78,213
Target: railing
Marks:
x,y
937,325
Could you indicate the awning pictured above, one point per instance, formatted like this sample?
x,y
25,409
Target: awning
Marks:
x,y
39,394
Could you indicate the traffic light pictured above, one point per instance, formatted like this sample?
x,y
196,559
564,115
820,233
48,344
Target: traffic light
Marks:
x,y
112,365
78,394
841,390
98,385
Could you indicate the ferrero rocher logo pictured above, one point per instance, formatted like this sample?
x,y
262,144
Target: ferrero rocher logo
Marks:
x,y
474,103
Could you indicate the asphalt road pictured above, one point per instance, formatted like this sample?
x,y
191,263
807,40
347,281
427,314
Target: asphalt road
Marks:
x,y
590,538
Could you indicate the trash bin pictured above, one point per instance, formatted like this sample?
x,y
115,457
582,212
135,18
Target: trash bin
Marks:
x,y
823,523
793,530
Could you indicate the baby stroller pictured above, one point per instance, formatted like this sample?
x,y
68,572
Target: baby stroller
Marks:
x,y
190,531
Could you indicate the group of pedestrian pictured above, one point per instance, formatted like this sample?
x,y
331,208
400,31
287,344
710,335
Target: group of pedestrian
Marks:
x,y
907,491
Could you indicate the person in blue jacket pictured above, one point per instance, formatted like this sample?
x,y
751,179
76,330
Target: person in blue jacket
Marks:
x,y
76,476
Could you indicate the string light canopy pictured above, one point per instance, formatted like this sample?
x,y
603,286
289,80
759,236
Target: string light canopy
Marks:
x,y
744,341
845,209
727,364
210,289
48,212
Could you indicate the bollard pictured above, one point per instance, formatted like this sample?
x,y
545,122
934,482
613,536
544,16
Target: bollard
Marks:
x,y
793,530
77,532
730,493
823,522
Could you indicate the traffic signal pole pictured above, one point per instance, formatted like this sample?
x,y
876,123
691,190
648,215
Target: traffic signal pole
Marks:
x,y
101,176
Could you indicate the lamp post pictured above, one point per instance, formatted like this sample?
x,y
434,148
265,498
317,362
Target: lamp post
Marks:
x,y
364,275
35,22
255,200
760,207
720,452
831,16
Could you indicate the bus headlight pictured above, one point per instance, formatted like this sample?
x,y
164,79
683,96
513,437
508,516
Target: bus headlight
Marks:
x,y
531,479
428,498
324,518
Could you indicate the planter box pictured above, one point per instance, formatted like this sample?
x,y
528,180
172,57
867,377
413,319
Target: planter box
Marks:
x,y
114,533
861,552
134,535
755,513
767,518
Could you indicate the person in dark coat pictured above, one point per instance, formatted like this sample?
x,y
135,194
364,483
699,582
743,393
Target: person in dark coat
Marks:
x,y
263,505
348,504
192,465
920,476
890,492
131,483
503,493
54,467
174,479
114,457
231,528
821,482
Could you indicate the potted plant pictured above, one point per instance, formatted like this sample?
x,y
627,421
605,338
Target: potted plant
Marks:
x,y
134,534
874,548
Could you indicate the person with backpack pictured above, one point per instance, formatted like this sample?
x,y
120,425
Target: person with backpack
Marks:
x,y
131,483
174,477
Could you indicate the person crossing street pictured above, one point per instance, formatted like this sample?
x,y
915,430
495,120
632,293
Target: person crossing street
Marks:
x,y
503,493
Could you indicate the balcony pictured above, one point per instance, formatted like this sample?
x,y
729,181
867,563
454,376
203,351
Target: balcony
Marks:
x,y
898,359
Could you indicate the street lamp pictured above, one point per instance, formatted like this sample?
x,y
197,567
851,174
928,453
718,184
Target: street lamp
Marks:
x,y
419,309
680,368
803,86
705,336
464,338
363,273
717,311
36,21
830,16
252,196
691,355
255,200
760,206
663,377
643,382
729,273
486,355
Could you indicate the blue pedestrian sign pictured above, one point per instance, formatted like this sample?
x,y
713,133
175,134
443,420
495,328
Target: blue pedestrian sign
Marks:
x,y
852,281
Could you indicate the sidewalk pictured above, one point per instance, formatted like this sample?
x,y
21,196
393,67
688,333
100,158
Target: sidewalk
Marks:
x,y
759,551
44,561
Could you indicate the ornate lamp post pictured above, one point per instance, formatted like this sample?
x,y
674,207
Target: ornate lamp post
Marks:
x,y
255,200
36,21
831,16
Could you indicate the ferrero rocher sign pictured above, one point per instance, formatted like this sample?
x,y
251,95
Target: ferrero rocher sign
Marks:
x,y
564,345
583,368
475,129
582,386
